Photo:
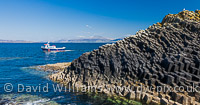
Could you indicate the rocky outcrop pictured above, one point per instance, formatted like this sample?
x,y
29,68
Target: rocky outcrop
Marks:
x,y
54,67
166,55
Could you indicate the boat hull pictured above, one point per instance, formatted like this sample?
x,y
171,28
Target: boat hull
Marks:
x,y
55,50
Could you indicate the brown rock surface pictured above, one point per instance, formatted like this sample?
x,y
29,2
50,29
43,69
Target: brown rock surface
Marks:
x,y
57,66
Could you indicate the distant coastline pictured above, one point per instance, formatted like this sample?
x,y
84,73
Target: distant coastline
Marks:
x,y
15,41
81,40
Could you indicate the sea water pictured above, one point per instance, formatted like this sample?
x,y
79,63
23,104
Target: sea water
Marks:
x,y
17,77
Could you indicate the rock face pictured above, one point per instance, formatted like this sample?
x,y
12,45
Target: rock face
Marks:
x,y
166,54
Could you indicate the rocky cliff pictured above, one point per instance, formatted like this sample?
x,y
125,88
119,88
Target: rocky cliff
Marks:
x,y
165,54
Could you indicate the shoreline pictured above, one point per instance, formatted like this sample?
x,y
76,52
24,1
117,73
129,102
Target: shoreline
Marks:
x,y
132,97
135,96
57,76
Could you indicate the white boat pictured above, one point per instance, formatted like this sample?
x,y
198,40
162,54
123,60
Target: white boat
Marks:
x,y
48,48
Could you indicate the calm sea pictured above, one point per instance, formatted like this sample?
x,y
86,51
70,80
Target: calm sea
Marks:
x,y
15,60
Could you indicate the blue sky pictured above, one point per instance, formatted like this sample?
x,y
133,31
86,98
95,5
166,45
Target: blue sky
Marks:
x,y
38,20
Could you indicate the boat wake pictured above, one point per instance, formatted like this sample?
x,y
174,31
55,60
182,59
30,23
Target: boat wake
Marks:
x,y
69,50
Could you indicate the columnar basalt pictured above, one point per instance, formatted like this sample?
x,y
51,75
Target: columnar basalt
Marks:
x,y
165,54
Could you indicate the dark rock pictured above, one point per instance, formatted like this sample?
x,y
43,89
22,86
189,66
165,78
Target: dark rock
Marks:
x,y
165,54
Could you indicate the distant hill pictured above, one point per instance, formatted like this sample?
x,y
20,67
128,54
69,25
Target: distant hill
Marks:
x,y
114,40
94,39
14,41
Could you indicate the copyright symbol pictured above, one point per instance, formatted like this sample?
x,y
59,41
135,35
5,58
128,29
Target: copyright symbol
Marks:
x,y
8,87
